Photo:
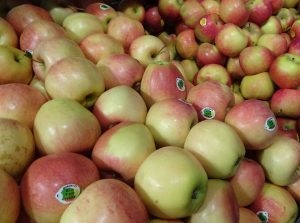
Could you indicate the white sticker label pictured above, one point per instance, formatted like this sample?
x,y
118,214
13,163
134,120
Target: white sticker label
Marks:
x,y
67,193
263,216
270,124
180,84
208,113
103,6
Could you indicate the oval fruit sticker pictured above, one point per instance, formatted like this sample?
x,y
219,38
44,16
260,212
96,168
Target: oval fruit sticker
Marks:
x,y
180,84
270,124
67,193
208,113
103,6
263,216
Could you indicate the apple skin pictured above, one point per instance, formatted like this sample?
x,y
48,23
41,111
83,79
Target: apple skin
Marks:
x,y
186,44
294,46
211,6
39,85
170,9
253,32
21,15
154,183
178,118
10,198
286,18
247,216
118,104
285,72
132,8
281,161
190,12
208,53
277,203
75,71
255,123
95,204
156,220
20,102
294,31
190,68
8,34
69,122
234,69
272,25
162,80
288,127
260,11
277,5
248,181
59,12
214,72
153,21
275,42
220,204
294,189
39,188
123,148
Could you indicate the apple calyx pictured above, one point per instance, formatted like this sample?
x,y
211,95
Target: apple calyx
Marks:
x,y
197,196
137,86
89,100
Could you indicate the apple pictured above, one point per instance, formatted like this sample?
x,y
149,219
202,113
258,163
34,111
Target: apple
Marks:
x,y
211,6
234,69
260,11
190,12
153,21
253,32
277,5
49,51
272,25
119,104
248,181
164,197
286,18
277,43
108,199
275,204
186,44
285,72
281,161
148,49
170,121
294,30
9,36
170,41
294,46
238,97
220,204
133,9
15,58
207,27
37,31
162,80
213,71
231,40
39,85
234,11
125,30
10,198
76,28
60,12
294,189
46,194
247,216
65,120
21,15
190,68
288,127
170,9
123,148
255,123
180,26
290,3
157,220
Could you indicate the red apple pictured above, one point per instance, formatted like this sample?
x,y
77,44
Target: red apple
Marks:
x,y
153,21
253,32
170,9
234,68
277,43
208,53
190,12
277,5
186,44
294,47
294,30
288,127
260,11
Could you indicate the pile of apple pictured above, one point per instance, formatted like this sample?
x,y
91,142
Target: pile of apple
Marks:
x,y
149,111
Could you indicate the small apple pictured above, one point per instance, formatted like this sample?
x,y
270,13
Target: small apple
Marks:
x,y
260,11
234,69
190,68
276,43
133,9
272,25
253,32
190,12
286,18
153,21
170,9
294,30
9,36
288,127
211,6
277,5
294,46
213,71
186,44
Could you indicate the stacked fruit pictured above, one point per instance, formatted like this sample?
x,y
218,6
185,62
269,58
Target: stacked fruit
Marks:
x,y
149,111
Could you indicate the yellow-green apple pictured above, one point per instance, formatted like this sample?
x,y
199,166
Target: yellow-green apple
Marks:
x,y
96,46
120,69
207,27
255,123
37,31
214,72
285,71
16,66
123,148
49,51
108,200
272,25
164,197
234,69
277,43
219,205
275,204
103,11
294,189
211,99
248,181
170,9
190,68
260,11
281,161
294,46
8,34
255,59
208,53
119,104
253,32
190,12
285,103
125,30
64,125
162,80
148,49
20,102
294,30
290,3
219,156
178,118
46,194
134,9
231,40
21,15
10,198
76,28
257,86
286,18
170,41
288,127
186,44
17,147
75,71
238,97
39,85
234,11
247,216
153,21
211,6
60,12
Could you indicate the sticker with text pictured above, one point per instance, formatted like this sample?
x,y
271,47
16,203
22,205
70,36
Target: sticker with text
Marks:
x,y
180,84
208,113
67,193
270,124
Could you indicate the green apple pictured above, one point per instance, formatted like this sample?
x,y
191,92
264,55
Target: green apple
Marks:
x,y
171,182
190,68
221,155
